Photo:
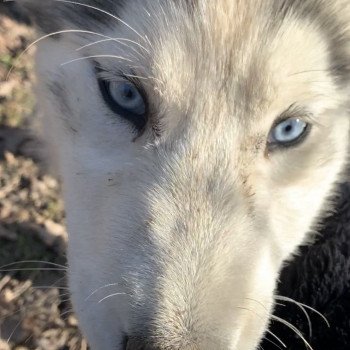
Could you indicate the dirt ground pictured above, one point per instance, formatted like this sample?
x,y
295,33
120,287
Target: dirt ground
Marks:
x,y
35,312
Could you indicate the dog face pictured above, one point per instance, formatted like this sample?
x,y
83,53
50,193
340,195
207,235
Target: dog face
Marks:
x,y
197,142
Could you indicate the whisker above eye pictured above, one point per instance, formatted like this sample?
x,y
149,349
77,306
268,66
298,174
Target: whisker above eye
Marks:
x,y
46,37
118,40
134,53
95,56
144,38
108,14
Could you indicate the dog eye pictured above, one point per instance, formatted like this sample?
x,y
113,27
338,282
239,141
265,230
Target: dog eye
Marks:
x,y
288,132
125,99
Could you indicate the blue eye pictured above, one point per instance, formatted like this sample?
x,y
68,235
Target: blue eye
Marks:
x,y
125,99
288,132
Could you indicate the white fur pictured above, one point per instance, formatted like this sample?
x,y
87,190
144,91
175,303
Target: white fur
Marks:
x,y
189,229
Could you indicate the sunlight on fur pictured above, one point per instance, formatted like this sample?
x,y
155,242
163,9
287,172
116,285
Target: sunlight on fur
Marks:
x,y
198,143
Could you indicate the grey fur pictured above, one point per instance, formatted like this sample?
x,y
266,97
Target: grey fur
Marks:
x,y
57,89
48,16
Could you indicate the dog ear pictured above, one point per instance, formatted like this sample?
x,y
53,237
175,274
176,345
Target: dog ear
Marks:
x,y
50,16
340,40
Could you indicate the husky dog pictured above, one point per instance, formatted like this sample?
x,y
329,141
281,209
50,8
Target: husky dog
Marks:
x,y
198,142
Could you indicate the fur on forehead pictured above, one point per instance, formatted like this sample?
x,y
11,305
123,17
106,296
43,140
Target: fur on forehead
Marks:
x,y
54,15
332,17
241,31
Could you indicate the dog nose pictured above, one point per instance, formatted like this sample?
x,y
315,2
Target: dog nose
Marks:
x,y
135,344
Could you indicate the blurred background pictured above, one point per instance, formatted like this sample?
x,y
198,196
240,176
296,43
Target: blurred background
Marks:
x,y
35,312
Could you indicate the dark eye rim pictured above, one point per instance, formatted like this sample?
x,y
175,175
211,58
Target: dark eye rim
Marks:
x,y
139,121
284,145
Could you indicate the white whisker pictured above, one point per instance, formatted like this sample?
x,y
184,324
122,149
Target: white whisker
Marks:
x,y
33,269
100,288
307,317
45,37
118,40
110,296
33,262
133,49
258,302
13,331
106,13
294,329
280,297
95,56
268,331
69,311
277,338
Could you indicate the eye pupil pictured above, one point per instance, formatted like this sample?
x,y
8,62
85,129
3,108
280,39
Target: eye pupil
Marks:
x,y
128,93
288,129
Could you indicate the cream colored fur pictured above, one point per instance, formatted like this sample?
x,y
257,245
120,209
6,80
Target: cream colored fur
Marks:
x,y
177,237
